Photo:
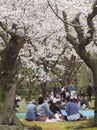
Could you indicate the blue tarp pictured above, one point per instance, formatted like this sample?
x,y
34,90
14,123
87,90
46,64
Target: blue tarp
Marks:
x,y
83,112
20,114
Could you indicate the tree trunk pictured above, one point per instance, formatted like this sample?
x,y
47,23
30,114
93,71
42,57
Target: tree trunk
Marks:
x,y
7,111
95,93
8,78
43,88
29,94
80,42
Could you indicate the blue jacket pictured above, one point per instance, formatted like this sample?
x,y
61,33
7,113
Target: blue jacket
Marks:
x,y
31,112
71,108
44,110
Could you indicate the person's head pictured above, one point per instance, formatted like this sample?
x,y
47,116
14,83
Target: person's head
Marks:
x,y
82,95
65,89
89,85
35,103
67,99
58,103
50,103
79,96
57,96
40,95
52,93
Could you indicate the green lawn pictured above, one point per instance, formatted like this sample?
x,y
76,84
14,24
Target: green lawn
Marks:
x,y
51,125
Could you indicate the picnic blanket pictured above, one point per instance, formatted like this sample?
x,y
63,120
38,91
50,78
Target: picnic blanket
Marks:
x,y
20,114
87,113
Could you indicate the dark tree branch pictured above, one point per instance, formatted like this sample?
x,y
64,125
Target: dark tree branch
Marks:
x,y
91,24
4,37
80,46
3,26
60,17
79,30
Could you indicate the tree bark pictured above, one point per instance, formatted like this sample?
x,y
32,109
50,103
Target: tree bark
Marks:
x,y
8,71
43,88
95,93
8,79
29,94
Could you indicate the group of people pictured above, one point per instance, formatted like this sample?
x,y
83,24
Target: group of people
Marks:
x,y
81,99
68,100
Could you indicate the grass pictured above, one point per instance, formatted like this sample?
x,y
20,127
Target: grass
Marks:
x,y
52,125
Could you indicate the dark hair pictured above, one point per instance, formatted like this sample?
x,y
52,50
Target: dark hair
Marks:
x,y
68,99
50,102
58,102
83,94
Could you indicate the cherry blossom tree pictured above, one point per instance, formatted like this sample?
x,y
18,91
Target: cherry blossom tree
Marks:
x,y
86,40
82,35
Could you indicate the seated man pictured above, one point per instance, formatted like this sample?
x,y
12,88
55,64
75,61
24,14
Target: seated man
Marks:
x,y
84,102
44,111
31,113
72,110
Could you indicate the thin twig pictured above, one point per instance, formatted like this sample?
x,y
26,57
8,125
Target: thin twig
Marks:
x,y
61,18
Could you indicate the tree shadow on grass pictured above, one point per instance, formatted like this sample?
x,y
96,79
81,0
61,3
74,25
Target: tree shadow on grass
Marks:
x,y
88,124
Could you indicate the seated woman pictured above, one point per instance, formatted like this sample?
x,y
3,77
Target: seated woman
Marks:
x,y
72,110
44,111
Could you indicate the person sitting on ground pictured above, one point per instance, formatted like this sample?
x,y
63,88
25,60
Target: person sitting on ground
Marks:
x,y
65,93
31,113
17,99
40,99
84,102
79,100
72,110
55,108
74,96
51,96
44,111
56,98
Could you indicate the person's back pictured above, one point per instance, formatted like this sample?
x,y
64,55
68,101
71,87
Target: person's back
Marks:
x,y
31,112
44,110
71,108
40,99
